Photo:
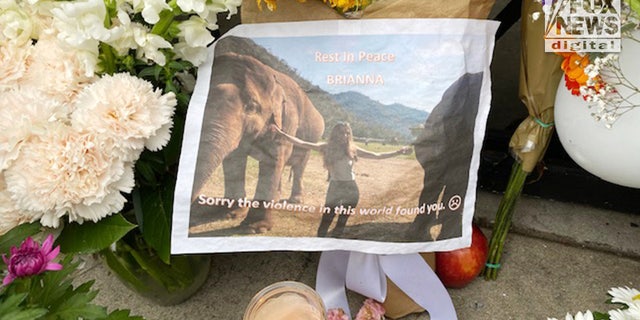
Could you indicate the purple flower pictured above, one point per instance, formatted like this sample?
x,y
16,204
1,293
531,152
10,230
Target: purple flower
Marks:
x,y
31,259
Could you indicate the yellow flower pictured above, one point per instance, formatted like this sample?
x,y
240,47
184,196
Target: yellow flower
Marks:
x,y
341,5
271,4
344,5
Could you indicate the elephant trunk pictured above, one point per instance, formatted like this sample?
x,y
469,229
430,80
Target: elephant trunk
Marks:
x,y
218,139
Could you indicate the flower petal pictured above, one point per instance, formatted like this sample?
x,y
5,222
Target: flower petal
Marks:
x,y
51,266
52,254
47,245
8,279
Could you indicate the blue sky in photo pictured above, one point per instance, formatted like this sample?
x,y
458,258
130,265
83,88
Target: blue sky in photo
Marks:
x,y
424,66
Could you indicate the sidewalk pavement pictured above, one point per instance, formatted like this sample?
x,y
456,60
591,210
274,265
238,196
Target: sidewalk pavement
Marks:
x,y
558,258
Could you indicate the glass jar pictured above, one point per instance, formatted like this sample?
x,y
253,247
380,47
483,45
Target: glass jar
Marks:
x,y
140,269
286,300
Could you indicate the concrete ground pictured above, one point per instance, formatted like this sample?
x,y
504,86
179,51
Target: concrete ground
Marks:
x,y
558,258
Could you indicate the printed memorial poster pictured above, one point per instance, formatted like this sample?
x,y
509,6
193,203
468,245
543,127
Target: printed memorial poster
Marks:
x,y
359,135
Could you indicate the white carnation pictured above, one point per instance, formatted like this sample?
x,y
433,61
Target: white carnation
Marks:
x,y
127,110
18,125
13,60
65,171
65,71
10,216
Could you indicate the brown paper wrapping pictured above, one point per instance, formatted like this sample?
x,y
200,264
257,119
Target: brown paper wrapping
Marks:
x,y
397,304
539,77
292,10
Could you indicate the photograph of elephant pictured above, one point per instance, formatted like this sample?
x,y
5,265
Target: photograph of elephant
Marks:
x,y
269,130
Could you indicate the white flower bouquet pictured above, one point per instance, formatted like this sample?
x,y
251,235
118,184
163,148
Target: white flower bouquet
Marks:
x,y
90,92
628,300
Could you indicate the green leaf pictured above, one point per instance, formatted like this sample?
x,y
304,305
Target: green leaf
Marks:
x,y
52,287
156,222
146,171
170,87
57,293
91,237
172,150
16,235
149,72
177,66
78,306
628,27
12,303
600,316
122,315
635,5
25,314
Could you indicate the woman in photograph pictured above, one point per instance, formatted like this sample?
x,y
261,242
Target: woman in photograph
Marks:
x,y
339,153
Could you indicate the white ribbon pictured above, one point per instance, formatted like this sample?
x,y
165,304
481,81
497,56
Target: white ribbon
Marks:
x,y
366,274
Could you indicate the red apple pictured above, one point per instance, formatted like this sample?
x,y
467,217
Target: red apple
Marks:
x,y
459,267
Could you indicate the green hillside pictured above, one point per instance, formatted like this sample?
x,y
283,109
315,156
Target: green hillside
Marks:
x,y
367,118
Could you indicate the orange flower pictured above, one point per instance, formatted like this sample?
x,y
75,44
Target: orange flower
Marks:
x,y
573,66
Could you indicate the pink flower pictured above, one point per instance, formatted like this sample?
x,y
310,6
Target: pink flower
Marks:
x,y
371,310
337,314
31,259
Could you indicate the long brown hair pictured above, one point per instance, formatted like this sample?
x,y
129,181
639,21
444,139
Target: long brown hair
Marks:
x,y
340,145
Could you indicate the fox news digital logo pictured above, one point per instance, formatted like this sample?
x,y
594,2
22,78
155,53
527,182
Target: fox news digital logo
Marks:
x,y
582,25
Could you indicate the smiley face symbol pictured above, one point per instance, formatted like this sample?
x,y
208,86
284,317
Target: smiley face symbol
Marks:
x,y
455,202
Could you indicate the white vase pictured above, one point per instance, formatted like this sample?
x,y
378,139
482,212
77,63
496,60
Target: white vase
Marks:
x,y
612,154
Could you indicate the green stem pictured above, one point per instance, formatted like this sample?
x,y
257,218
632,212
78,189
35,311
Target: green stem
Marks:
x,y
109,59
166,18
503,220
157,269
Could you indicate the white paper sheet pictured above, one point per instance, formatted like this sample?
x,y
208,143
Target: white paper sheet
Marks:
x,y
422,83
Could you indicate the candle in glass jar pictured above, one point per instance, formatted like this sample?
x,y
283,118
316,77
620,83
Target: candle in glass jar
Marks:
x,y
287,300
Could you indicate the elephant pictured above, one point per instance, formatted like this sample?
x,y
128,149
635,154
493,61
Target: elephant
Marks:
x,y
245,98
444,149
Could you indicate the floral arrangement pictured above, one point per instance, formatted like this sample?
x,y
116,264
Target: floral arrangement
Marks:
x,y
598,77
37,287
90,92
370,310
626,298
